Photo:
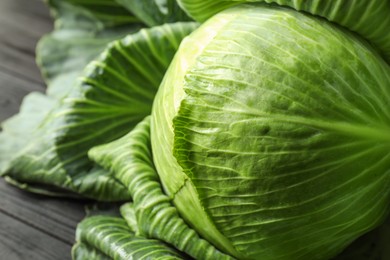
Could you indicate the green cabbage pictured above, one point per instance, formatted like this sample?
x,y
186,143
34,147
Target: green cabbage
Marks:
x,y
271,133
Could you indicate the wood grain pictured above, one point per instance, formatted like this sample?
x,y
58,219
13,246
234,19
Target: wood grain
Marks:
x,y
31,226
23,22
54,217
30,243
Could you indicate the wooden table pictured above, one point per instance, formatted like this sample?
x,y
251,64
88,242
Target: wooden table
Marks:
x,y
31,227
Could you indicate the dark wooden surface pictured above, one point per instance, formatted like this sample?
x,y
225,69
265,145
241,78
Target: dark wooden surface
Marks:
x,y
31,226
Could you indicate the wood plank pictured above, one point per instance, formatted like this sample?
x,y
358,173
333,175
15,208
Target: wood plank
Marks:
x,y
13,89
23,22
18,12
19,64
55,217
19,241
31,226
19,35
36,7
21,26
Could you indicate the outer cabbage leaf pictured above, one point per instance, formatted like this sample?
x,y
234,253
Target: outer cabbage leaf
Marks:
x,y
34,109
81,251
109,237
151,213
115,92
82,31
280,135
156,12
15,135
369,18
80,35
91,13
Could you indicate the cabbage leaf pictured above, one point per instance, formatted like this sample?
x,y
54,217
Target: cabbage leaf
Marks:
x,y
156,12
109,237
113,94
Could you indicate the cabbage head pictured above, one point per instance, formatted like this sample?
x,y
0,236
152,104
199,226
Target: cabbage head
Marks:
x,y
271,134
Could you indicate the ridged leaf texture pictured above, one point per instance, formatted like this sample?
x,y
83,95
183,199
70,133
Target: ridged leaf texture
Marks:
x,y
107,237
